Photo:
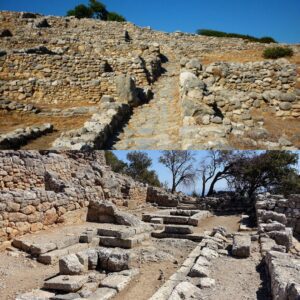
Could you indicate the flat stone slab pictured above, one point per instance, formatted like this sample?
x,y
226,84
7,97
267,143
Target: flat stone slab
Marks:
x,y
54,238
128,243
103,293
116,281
241,246
53,257
178,229
66,283
164,235
170,217
118,233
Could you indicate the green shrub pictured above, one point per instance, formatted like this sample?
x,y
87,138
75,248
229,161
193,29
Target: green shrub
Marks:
x,y
278,52
216,33
112,16
267,40
80,11
96,10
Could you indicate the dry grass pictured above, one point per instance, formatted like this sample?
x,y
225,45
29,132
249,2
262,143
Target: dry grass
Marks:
x,y
242,56
276,127
12,120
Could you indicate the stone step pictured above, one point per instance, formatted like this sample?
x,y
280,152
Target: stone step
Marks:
x,y
164,235
178,229
117,233
37,248
180,220
127,243
53,257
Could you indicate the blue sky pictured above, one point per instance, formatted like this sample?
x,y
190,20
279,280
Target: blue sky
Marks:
x,y
165,175
276,18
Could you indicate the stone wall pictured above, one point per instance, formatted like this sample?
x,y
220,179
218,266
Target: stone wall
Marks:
x,y
226,93
41,189
225,202
161,197
288,206
230,98
44,78
71,60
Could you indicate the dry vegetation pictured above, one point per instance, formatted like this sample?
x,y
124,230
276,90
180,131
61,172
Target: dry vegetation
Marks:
x,y
10,121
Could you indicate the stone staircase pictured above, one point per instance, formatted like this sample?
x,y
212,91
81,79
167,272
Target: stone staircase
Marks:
x,y
126,238
177,217
49,250
177,232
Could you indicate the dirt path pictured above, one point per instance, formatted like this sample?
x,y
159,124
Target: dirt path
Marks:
x,y
230,222
156,124
238,279
20,274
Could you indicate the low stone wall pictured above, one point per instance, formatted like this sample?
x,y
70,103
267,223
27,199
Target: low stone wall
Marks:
x,y
96,131
161,197
21,136
225,202
283,270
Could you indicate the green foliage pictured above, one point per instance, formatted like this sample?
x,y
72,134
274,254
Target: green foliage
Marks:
x,y
267,40
80,11
96,10
99,10
278,52
112,16
269,171
138,168
215,33
116,164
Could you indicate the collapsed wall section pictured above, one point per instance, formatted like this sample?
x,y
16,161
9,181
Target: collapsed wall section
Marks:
x,y
287,206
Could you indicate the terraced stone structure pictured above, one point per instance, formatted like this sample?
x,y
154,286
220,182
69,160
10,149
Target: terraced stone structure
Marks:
x,y
74,72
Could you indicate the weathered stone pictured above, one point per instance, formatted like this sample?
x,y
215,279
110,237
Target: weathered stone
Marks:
x,y
126,90
70,265
66,283
186,290
241,246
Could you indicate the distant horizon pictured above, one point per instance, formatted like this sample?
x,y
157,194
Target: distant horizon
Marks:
x,y
270,18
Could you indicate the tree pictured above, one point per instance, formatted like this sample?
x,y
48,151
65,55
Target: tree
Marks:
x,y
138,168
180,163
81,11
222,164
116,164
267,171
112,16
208,168
96,10
99,10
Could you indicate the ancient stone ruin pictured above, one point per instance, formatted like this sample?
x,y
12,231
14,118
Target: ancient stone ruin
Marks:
x,y
80,231
116,85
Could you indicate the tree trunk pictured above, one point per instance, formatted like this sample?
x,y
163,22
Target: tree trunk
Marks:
x,y
216,179
212,185
173,185
203,186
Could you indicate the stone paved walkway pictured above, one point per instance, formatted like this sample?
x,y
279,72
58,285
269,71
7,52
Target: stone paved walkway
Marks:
x,y
156,125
